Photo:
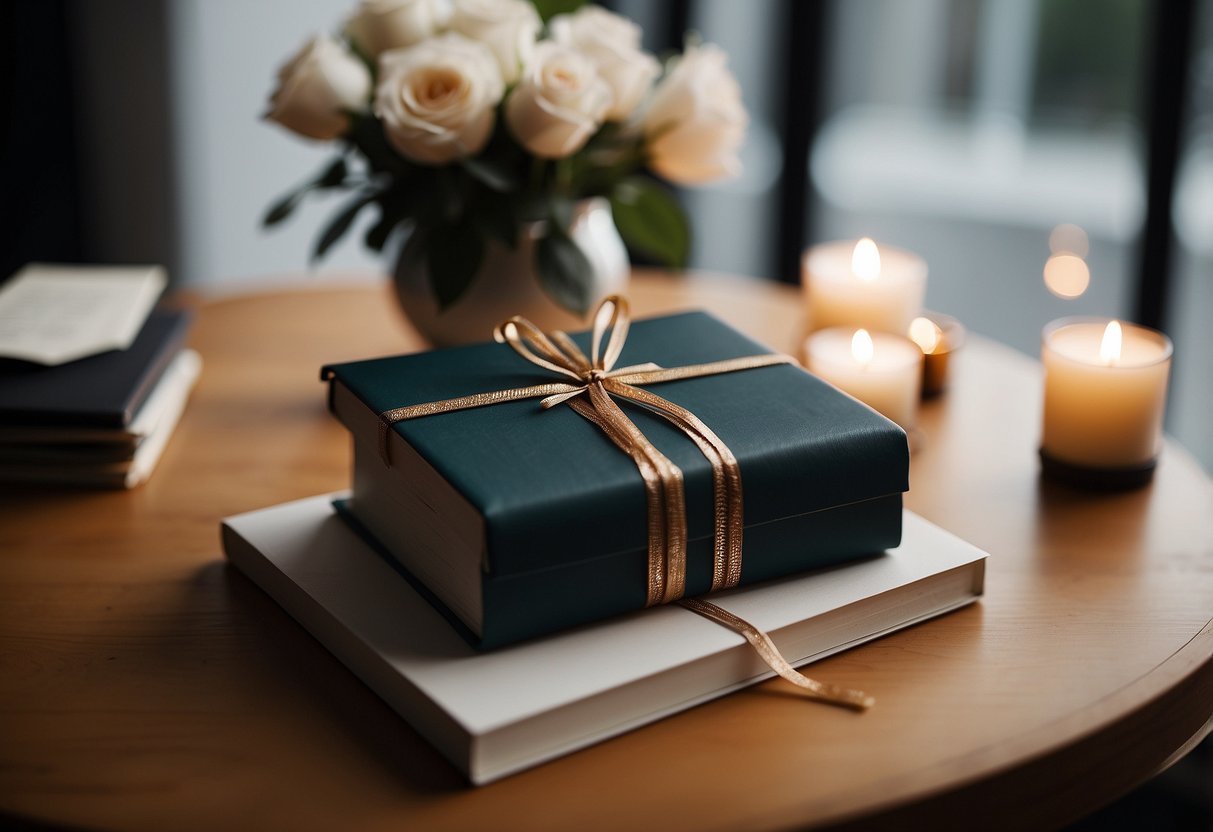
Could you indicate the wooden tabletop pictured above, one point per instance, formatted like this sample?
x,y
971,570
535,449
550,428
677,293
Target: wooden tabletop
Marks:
x,y
146,685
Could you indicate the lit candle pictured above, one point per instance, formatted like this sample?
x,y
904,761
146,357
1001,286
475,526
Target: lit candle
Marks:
x,y
1105,389
938,336
858,284
880,369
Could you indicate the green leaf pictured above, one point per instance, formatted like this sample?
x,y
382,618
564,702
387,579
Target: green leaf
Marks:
x,y
423,198
560,211
436,195
340,224
449,193
398,202
377,234
564,271
550,8
494,174
454,254
283,208
332,177
495,215
366,134
651,221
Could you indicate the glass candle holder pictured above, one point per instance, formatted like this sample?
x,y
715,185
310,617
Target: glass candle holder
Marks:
x,y
939,337
1105,392
882,370
858,284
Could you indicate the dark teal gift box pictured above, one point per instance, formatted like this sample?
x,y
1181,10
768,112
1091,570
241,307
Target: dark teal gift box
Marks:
x,y
519,521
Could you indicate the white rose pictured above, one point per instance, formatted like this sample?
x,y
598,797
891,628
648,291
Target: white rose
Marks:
x,y
317,87
380,25
559,103
612,42
695,122
437,99
509,27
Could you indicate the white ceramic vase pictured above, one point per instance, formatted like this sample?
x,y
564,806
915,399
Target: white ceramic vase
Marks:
x,y
507,285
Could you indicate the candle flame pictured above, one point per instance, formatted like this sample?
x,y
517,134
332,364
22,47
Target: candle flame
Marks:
x,y
1109,346
865,260
926,334
861,346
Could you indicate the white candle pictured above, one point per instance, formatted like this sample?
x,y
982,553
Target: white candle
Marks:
x,y
860,284
880,369
1105,389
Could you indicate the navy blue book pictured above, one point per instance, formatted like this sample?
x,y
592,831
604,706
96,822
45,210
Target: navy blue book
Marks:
x,y
100,391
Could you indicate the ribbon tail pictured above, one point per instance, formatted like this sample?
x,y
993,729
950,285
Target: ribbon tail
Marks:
x,y
669,559
762,644
560,398
673,493
654,498
728,503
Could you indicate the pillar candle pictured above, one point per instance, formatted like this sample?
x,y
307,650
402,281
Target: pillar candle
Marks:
x,y
880,369
1105,389
862,285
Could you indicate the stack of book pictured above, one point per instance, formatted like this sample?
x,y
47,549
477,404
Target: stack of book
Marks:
x,y
523,530
497,712
93,378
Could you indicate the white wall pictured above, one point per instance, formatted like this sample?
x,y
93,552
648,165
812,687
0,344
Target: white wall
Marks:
x,y
231,164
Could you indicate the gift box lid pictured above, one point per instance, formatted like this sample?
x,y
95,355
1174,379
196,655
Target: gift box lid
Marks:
x,y
551,487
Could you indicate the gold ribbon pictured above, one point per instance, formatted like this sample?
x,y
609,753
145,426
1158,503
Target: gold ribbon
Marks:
x,y
592,381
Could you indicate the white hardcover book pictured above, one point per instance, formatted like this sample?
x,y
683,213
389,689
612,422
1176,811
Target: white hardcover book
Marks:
x,y
498,712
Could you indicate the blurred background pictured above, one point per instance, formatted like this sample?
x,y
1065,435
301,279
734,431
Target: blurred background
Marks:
x,y
990,136
970,131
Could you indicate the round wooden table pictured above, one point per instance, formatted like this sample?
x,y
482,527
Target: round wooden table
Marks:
x,y
146,685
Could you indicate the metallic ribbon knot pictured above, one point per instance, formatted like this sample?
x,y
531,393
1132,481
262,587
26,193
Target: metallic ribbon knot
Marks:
x,y
593,383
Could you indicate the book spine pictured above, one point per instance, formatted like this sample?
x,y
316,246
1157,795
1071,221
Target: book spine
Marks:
x,y
167,351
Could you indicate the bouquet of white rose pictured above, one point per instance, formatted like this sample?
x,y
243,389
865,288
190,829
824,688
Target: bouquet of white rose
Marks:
x,y
461,120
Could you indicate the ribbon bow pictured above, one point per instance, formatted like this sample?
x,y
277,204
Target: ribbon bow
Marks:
x,y
591,397
592,382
